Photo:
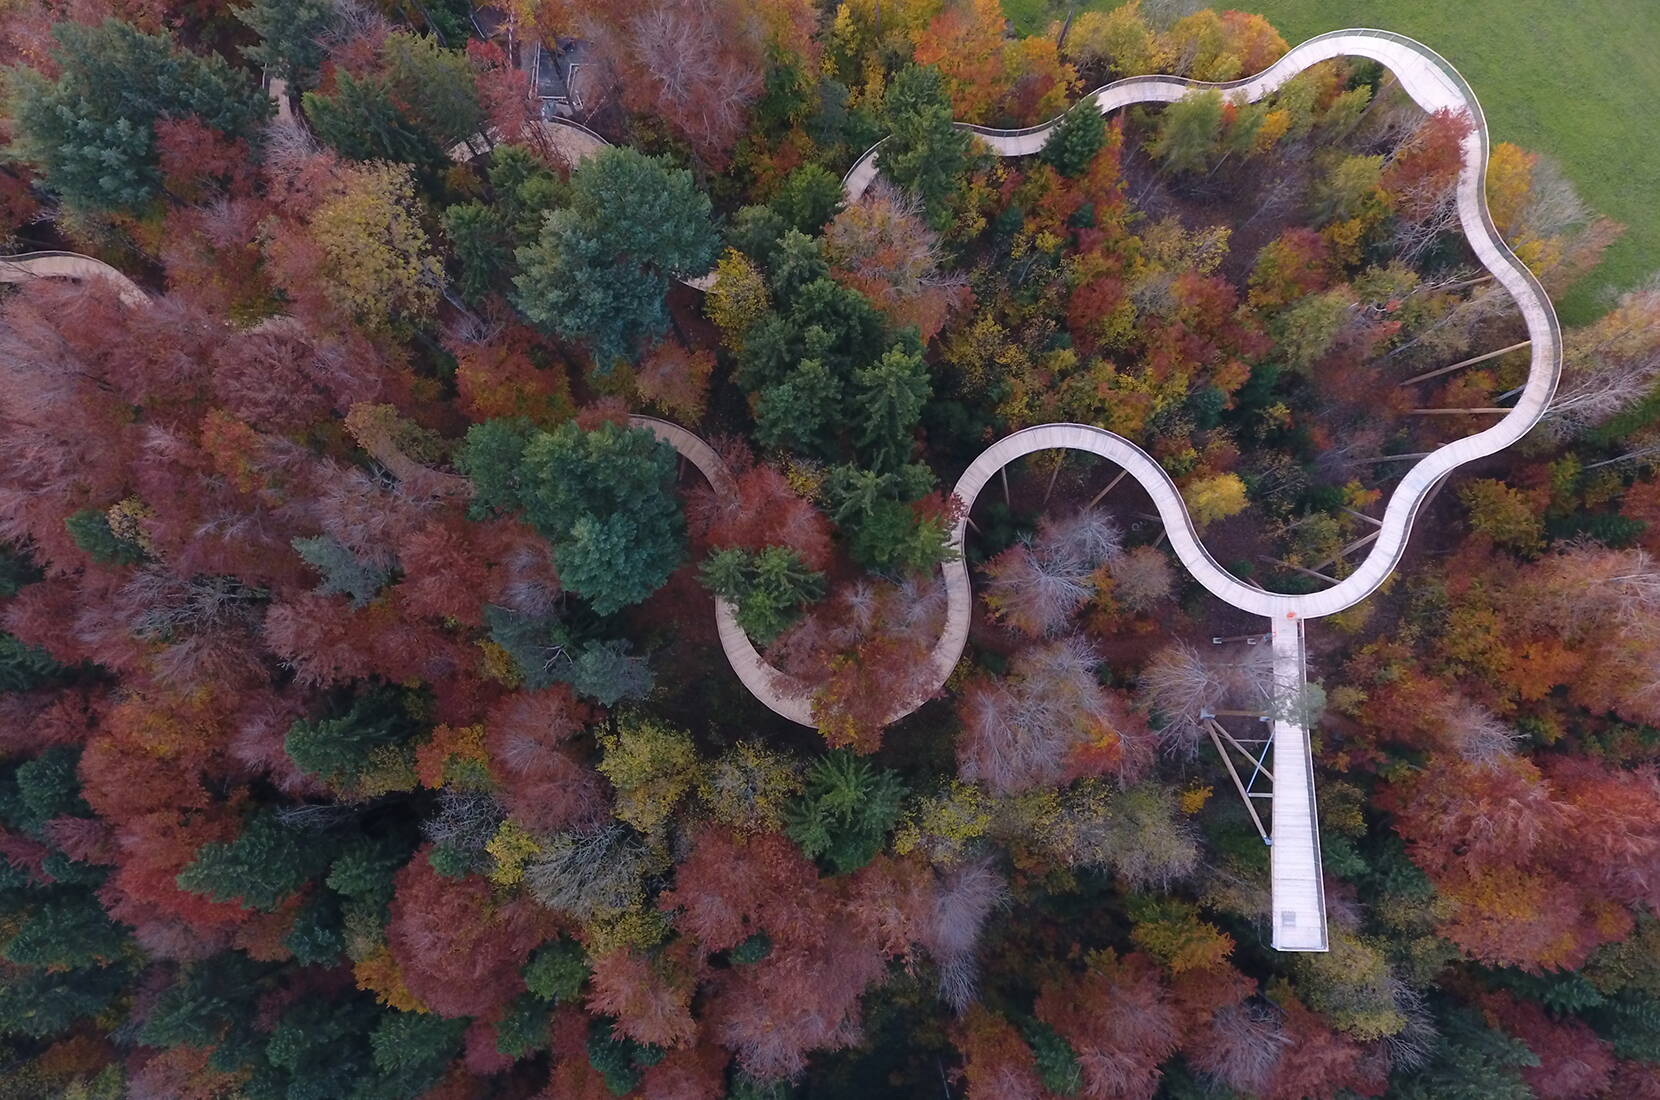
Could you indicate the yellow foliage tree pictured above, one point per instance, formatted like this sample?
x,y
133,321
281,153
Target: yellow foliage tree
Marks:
x,y
1509,180
738,298
946,825
1201,47
378,263
510,848
379,974
1036,63
1121,38
1352,985
1173,932
749,786
652,765
1505,515
1213,498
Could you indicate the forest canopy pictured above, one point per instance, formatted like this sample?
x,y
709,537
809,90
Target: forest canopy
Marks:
x,y
366,729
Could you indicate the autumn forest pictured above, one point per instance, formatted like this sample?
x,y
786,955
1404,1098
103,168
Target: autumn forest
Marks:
x,y
365,728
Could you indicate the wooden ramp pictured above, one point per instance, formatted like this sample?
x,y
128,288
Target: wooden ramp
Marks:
x,y
1299,893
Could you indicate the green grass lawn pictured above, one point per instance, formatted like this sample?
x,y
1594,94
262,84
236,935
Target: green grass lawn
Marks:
x,y
1578,80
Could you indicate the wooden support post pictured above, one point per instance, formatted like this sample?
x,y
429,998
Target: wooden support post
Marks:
x,y
972,525
1387,458
1003,472
1364,516
1238,786
1059,459
1243,751
1349,549
1113,484
1298,568
1453,412
1426,376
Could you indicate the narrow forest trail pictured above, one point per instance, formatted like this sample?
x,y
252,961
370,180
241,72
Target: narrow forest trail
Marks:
x,y
1298,896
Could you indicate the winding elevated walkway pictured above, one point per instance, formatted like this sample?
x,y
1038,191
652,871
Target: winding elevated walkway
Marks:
x,y
1298,897
27,266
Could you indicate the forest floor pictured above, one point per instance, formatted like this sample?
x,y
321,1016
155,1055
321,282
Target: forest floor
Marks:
x,y
1576,82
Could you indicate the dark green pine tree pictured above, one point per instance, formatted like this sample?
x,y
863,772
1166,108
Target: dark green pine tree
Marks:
x,y
360,120
768,587
808,198
212,1004
261,868
90,530
412,1049
601,266
1076,139
25,667
1469,1061
601,497
924,153
556,971
843,816
49,786
66,929
90,132
340,749
36,1002
291,35
482,249
888,397
523,1028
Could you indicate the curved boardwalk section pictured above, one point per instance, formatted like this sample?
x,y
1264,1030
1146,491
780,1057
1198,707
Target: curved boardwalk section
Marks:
x,y
786,696
69,265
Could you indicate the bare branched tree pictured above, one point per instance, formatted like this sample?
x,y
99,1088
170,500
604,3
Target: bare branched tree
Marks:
x,y
1242,1047
1180,688
1415,236
1040,583
966,898
1586,585
590,873
316,816
1142,578
1019,731
1455,330
884,245
1477,734
1553,205
697,82
465,820
1609,366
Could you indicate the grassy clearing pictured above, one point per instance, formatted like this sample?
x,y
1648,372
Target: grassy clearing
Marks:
x,y
1577,80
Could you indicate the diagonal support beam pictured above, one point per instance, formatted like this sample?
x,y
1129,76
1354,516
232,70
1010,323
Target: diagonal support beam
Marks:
x,y
1427,375
1233,773
1217,730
